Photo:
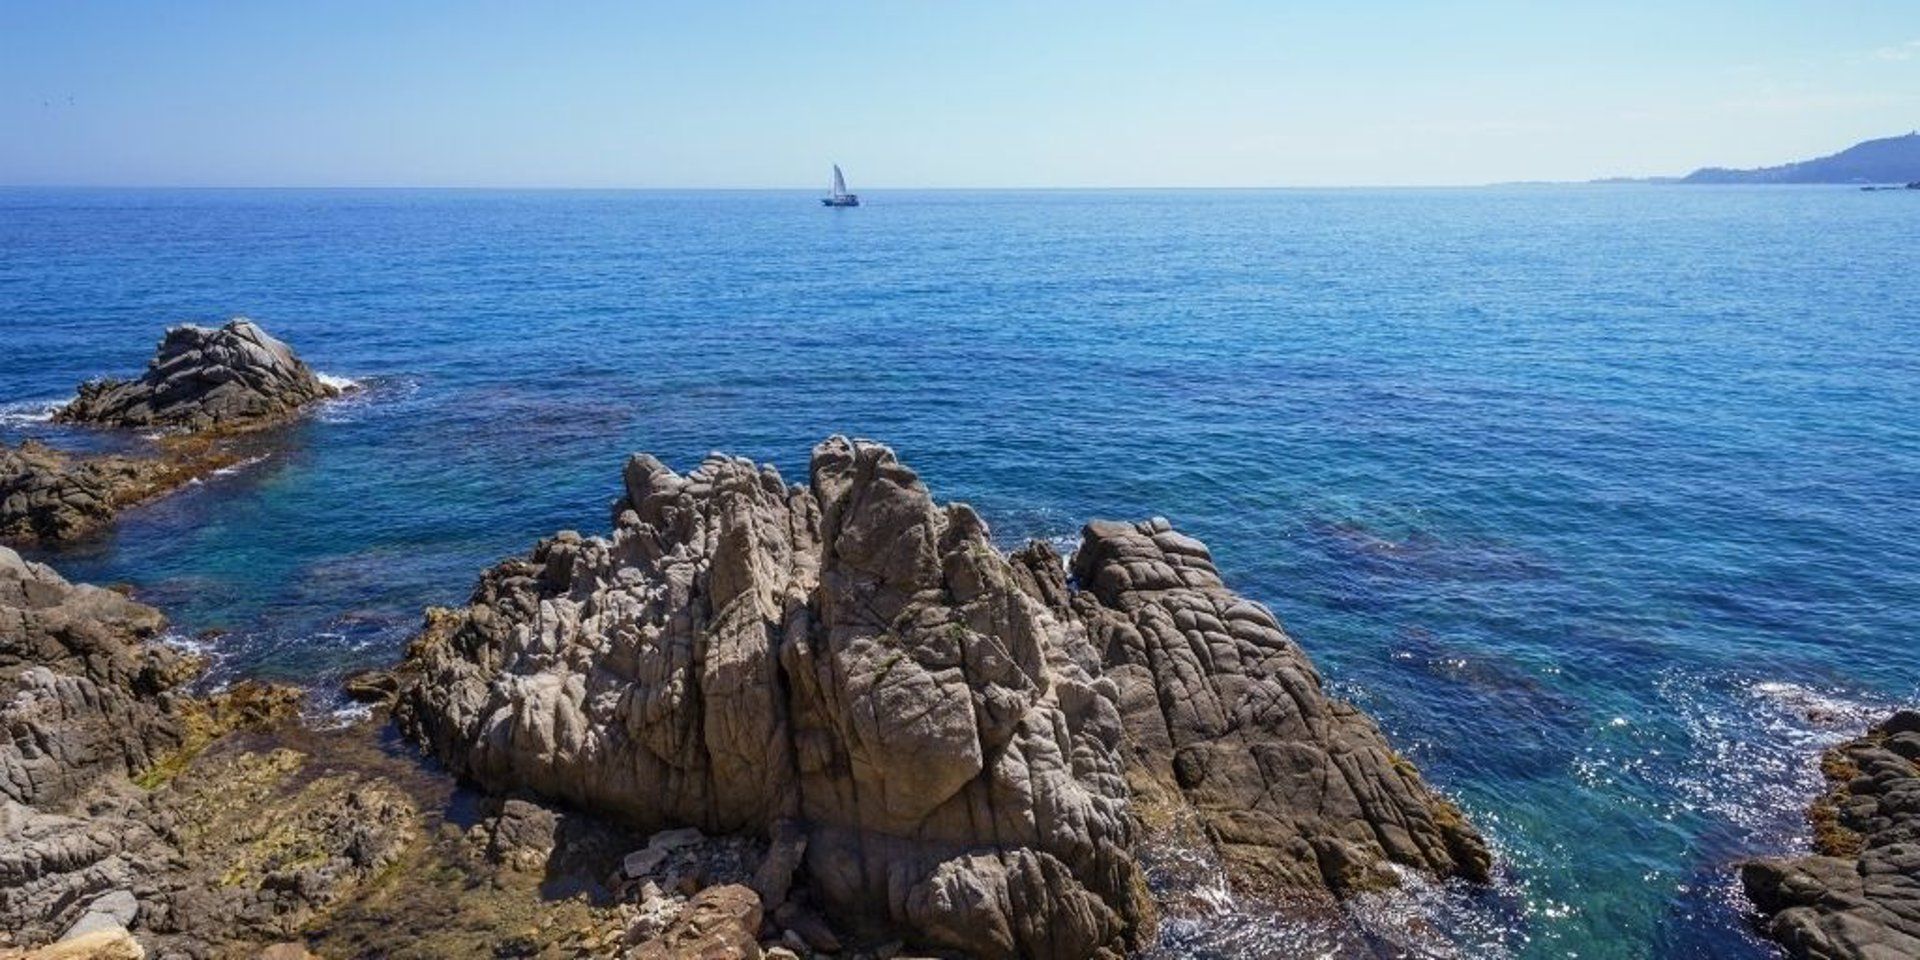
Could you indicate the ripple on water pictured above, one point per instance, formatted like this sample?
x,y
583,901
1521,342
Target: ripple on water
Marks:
x,y
1477,413
364,398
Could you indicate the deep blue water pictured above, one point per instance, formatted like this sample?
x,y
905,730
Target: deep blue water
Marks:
x,y
1590,494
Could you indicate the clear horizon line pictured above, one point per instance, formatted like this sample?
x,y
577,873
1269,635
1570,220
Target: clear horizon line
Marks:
x,y
1465,185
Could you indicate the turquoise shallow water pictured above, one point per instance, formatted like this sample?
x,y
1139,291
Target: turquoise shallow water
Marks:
x,y
1601,499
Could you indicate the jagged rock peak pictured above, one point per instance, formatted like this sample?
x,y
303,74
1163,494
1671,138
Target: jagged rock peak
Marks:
x,y
953,736
235,377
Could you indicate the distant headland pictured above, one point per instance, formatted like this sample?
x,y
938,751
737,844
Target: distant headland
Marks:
x,y
1887,160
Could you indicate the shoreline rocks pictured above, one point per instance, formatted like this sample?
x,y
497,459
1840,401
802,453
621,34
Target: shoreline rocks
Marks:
x,y
952,745
758,720
232,378
50,496
140,819
1858,894
202,387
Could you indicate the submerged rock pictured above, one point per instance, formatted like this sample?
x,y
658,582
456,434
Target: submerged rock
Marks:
x,y
1858,896
232,378
949,742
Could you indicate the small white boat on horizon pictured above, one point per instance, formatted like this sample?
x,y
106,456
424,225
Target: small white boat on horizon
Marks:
x,y
837,195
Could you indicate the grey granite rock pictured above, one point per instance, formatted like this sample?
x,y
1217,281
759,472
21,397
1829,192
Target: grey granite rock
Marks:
x,y
956,735
235,377
82,694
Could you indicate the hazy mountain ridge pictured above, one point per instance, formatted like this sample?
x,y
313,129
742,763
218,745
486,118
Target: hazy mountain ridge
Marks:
x,y
1887,160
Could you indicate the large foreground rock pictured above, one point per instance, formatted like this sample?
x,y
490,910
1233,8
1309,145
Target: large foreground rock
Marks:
x,y
232,378
1858,896
950,741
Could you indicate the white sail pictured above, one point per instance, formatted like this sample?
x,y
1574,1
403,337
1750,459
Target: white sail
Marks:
x,y
839,182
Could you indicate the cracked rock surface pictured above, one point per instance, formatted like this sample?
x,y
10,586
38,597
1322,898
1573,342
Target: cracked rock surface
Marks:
x,y
235,377
954,743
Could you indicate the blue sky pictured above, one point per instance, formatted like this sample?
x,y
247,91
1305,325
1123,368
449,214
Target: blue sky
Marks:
x,y
931,94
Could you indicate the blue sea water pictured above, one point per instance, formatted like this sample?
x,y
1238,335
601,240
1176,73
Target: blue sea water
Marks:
x,y
1601,499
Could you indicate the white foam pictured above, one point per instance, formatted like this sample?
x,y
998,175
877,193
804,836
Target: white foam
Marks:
x,y
342,384
190,645
345,716
22,412
233,468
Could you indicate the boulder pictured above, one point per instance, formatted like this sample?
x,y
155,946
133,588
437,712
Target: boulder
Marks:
x,y
1856,896
235,377
948,739
109,911
520,835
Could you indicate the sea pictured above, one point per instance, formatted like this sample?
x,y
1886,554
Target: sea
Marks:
x,y
1604,500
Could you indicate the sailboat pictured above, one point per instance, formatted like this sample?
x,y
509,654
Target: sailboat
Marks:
x,y
839,196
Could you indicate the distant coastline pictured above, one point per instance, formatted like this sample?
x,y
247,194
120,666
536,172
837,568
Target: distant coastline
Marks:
x,y
1888,160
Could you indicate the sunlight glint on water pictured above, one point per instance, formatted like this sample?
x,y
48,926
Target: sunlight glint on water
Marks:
x,y
1601,500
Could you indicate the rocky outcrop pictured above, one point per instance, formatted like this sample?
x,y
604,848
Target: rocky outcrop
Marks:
x,y
85,703
203,385
137,819
1858,896
83,695
232,378
1225,715
92,716
947,742
47,495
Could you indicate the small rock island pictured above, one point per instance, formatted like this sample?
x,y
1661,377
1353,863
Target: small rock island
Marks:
x,y
232,378
202,388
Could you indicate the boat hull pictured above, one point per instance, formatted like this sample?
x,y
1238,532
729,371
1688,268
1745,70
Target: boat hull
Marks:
x,y
847,201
